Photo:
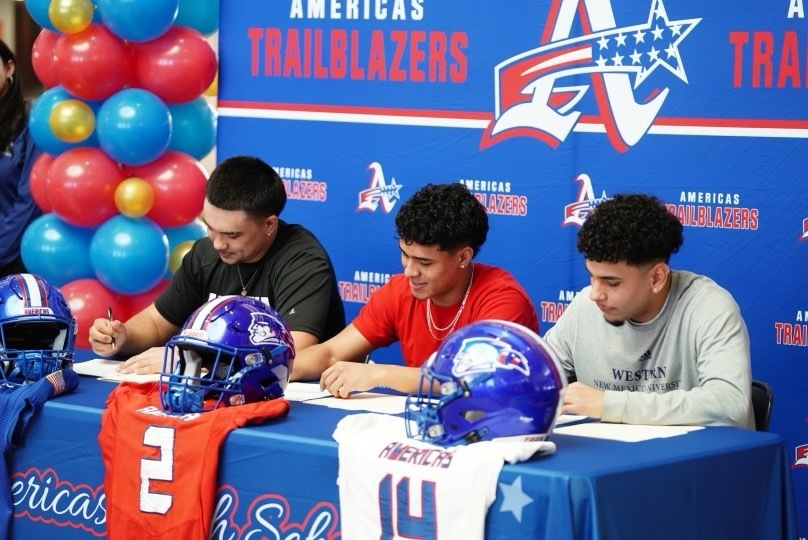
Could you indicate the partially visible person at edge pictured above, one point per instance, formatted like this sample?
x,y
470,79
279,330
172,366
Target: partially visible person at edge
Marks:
x,y
249,250
18,152
647,344
440,230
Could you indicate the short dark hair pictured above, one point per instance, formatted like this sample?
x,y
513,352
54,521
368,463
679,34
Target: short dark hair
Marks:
x,y
445,215
634,228
246,183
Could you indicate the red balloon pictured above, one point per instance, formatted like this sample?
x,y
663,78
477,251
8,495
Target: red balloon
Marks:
x,y
42,57
135,303
81,186
177,66
88,300
178,181
93,64
38,181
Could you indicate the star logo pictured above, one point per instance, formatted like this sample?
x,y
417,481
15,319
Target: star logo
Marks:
x,y
379,192
577,212
514,498
533,97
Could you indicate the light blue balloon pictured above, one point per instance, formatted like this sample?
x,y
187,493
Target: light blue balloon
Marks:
x,y
193,128
38,9
177,235
138,20
39,122
130,256
201,15
57,251
134,126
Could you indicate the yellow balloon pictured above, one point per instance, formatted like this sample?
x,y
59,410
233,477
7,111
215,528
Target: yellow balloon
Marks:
x,y
134,197
70,16
72,120
178,254
213,89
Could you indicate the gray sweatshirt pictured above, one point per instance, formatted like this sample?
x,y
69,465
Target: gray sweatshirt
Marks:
x,y
689,366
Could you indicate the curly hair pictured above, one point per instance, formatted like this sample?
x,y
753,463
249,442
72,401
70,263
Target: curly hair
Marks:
x,y
634,228
246,183
445,215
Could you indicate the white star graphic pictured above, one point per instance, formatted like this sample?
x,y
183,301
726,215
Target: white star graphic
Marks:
x,y
621,39
639,36
658,18
672,51
617,59
636,57
514,498
603,42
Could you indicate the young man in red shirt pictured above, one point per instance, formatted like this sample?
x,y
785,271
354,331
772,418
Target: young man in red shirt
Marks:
x,y
440,229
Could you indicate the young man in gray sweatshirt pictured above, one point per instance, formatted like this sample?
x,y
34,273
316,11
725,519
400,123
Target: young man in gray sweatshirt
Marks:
x,y
647,344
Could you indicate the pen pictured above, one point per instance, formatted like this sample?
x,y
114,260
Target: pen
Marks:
x,y
109,316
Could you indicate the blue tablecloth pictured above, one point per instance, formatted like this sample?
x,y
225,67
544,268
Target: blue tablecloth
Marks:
x,y
280,479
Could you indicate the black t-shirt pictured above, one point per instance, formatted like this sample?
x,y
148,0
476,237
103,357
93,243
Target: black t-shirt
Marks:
x,y
295,277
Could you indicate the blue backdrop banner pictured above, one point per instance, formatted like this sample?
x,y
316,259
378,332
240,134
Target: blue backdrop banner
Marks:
x,y
543,108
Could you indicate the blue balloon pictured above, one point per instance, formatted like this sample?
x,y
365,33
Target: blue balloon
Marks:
x,y
138,20
57,251
39,122
193,128
177,235
201,15
134,126
38,9
130,256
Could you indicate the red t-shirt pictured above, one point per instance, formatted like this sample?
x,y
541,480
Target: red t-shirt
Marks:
x,y
394,314
160,470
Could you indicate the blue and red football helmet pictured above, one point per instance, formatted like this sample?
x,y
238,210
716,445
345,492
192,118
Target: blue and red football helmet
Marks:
x,y
232,350
490,379
37,329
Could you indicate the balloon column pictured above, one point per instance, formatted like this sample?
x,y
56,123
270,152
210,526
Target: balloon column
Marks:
x,y
123,124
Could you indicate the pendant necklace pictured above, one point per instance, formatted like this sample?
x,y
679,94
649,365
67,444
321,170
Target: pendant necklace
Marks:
x,y
451,326
243,286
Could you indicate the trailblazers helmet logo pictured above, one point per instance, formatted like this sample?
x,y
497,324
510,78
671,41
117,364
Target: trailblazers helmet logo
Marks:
x,y
804,230
261,329
528,101
485,355
577,212
379,192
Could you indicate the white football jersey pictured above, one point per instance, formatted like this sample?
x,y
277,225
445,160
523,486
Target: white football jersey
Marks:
x,y
394,487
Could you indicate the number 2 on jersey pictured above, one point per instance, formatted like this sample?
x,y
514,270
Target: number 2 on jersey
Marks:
x,y
161,468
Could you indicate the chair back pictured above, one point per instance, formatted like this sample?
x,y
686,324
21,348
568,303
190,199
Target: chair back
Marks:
x,y
762,399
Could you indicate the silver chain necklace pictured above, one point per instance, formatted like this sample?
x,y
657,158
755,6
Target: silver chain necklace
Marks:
x,y
243,286
430,323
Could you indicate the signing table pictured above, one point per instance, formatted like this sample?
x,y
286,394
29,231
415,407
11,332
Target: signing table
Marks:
x,y
278,481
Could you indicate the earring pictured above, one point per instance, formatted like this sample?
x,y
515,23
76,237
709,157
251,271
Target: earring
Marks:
x,y
462,266
655,289
11,80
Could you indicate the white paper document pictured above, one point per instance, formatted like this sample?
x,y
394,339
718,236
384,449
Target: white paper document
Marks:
x,y
624,432
302,391
365,401
105,369
361,401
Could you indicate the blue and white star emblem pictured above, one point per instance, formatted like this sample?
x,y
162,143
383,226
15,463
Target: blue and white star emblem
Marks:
x,y
514,498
